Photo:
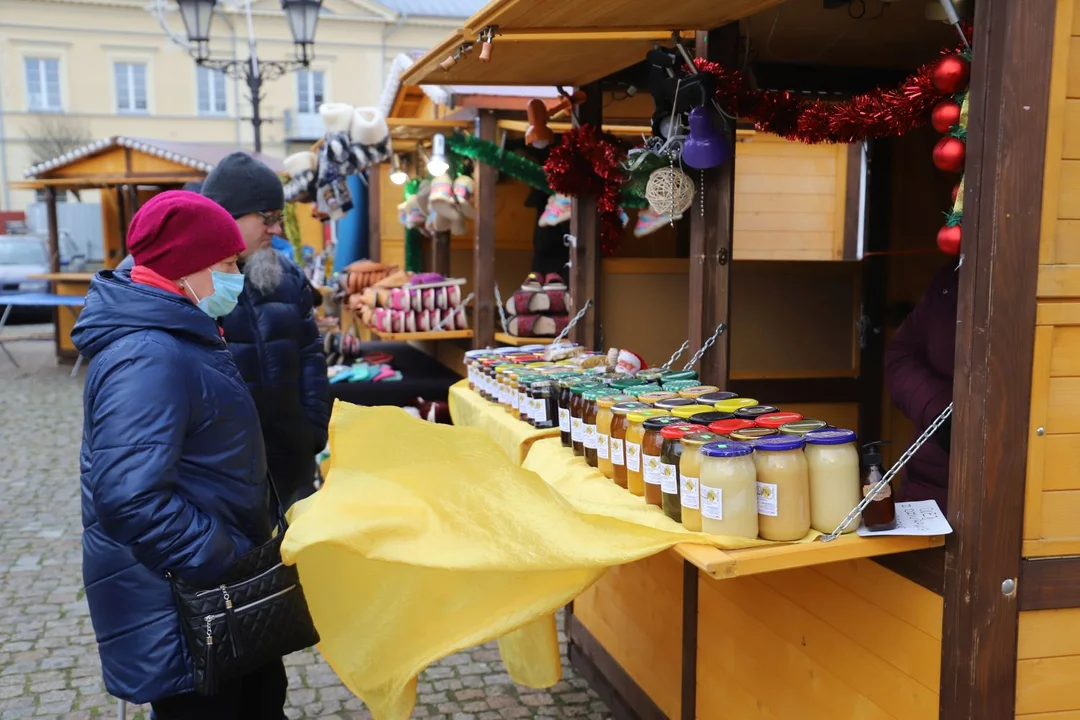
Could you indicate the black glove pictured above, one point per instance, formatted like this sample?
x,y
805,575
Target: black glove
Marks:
x,y
943,435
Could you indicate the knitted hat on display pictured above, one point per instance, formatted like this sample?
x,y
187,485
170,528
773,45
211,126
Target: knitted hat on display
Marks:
x,y
178,233
243,185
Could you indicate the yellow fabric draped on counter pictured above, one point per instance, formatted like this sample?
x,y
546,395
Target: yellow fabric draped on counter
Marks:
x,y
515,437
427,539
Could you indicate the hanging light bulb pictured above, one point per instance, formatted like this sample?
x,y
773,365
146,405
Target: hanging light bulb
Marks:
x,y
437,165
398,176
706,147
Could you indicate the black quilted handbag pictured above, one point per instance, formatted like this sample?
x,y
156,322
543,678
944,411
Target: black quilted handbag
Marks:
x,y
257,614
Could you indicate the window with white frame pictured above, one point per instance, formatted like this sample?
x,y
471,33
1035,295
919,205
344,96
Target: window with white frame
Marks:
x,y
211,84
43,85
310,84
130,87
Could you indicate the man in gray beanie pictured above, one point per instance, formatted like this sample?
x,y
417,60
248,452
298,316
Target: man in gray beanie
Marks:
x,y
272,332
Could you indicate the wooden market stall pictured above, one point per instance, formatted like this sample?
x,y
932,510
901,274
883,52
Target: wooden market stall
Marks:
x,y
126,171
984,628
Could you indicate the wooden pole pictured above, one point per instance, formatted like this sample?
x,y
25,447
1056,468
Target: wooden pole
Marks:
x,y
585,258
1006,146
711,231
54,230
375,213
484,245
440,252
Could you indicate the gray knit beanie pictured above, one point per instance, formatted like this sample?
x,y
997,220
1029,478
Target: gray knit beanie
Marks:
x,y
243,185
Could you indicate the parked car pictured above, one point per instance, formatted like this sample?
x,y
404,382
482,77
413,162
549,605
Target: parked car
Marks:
x,y
20,257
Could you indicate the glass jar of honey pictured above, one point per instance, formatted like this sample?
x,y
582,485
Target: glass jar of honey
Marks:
x,y
577,414
671,451
589,413
832,459
728,490
652,442
604,417
783,488
635,433
619,425
564,385
690,477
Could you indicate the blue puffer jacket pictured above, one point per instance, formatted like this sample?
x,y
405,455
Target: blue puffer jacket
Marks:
x,y
173,475
276,345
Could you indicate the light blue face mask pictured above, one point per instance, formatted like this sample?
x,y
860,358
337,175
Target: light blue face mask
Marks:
x,y
227,289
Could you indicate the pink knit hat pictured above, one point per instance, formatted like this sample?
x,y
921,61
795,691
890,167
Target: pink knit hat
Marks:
x,y
178,233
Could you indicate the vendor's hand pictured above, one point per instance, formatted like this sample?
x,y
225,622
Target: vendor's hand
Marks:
x,y
943,435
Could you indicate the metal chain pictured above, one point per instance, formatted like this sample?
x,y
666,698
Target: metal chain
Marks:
x,y
705,347
677,355
468,299
502,310
872,493
574,321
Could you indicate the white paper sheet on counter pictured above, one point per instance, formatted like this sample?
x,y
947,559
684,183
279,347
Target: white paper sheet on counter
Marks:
x,y
914,518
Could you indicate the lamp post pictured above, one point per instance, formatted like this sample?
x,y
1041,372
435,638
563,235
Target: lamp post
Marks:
x,y
303,17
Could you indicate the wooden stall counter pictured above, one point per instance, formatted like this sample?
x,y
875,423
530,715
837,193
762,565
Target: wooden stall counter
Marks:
x,y
73,283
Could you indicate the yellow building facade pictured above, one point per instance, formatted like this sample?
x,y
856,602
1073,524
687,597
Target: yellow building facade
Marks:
x,y
75,71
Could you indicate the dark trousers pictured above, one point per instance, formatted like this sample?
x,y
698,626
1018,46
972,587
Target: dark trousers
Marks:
x,y
258,696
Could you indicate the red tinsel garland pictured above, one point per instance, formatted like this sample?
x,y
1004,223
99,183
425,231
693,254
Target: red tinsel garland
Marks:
x,y
878,113
588,162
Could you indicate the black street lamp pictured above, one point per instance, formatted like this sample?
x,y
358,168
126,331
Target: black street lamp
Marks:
x,y
303,17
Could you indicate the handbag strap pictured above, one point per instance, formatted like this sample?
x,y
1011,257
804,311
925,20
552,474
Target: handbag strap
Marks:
x,y
279,507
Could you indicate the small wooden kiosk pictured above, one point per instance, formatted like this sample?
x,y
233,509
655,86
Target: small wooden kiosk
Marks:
x,y
985,628
127,172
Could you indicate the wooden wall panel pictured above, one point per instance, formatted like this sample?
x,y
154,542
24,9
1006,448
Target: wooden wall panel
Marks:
x,y
635,612
843,640
1048,664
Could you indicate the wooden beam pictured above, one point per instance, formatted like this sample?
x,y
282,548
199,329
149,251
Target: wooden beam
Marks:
x,y
624,698
1006,145
484,248
54,256
374,186
585,258
712,224
1049,584
440,253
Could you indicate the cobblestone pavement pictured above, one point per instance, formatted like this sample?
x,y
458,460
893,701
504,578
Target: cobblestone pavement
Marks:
x,y
48,660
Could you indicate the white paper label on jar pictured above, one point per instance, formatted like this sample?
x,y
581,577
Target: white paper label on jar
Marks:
x,y
504,394
881,494
652,469
588,436
602,446
617,452
564,420
689,492
540,411
669,479
577,430
633,457
515,400
712,503
528,408
766,499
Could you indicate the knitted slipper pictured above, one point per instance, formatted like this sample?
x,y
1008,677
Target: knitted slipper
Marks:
x,y
532,303
442,197
554,281
458,225
370,136
556,212
463,193
379,358
533,283
423,196
336,117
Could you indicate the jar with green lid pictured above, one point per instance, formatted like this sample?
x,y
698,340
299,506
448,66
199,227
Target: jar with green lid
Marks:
x,y
652,375
690,477
651,398
672,403
685,412
564,385
751,434
682,375
652,442
619,425
677,386
604,417
589,413
670,452
577,414
534,404
635,432
637,390
626,382
801,427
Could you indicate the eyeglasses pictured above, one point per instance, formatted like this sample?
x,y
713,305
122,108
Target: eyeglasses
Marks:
x,y
270,219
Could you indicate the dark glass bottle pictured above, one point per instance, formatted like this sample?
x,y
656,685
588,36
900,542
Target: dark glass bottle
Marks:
x,y
880,514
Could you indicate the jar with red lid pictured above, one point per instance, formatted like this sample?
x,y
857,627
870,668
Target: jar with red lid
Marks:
x,y
776,419
726,427
670,452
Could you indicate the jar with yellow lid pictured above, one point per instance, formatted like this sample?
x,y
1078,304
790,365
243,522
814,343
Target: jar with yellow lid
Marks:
x,y
690,477
728,490
619,424
604,417
635,479
685,412
651,398
732,404
696,391
783,488
751,434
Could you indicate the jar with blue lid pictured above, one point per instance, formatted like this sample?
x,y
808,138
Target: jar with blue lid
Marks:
x,y
832,459
783,488
728,489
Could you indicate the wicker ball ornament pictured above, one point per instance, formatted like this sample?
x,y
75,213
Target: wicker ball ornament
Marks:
x,y
670,192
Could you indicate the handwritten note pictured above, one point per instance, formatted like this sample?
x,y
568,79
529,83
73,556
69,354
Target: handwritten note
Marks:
x,y
914,518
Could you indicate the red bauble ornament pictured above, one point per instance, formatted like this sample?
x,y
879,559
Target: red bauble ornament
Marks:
x,y
945,116
955,193
949,154
948,240
951,74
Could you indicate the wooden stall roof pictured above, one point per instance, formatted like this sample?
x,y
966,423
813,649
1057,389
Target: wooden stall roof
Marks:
x,y
121,160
